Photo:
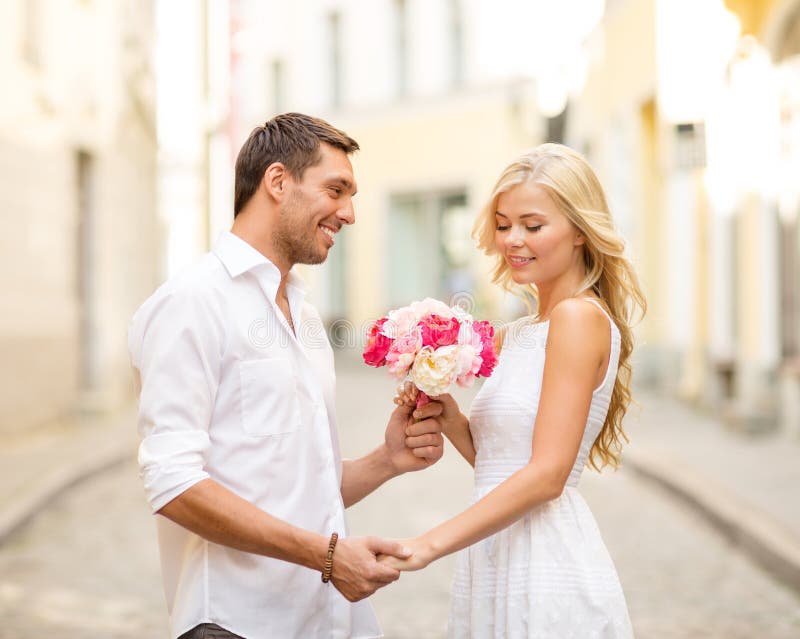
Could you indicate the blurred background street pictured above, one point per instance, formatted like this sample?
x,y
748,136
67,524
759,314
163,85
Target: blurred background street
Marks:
x,y
119,126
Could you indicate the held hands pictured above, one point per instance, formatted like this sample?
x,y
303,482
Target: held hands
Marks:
x,y
357,573
422,555
412,444
451,419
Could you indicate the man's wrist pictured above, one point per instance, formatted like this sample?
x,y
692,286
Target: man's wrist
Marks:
x,y
316,549
387,468
327,568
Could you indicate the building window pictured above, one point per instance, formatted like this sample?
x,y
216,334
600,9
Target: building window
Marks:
x,y
31,32
277,80
557,126
400,39
335,57
456,39
430,247
337,279
86,184
790,287
690,145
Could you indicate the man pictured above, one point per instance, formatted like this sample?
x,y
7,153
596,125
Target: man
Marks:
x,y
239,450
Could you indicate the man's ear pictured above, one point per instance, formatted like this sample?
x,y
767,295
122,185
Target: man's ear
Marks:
x,y
274,180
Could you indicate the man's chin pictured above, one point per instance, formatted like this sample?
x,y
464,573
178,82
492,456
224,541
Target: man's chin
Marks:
x,y
312,259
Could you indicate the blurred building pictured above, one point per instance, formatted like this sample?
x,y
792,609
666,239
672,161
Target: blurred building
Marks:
x,y
687,108
81,244
441,95
690,113
194,57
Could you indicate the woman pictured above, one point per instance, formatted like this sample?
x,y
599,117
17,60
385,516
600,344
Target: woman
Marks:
x,y
533,562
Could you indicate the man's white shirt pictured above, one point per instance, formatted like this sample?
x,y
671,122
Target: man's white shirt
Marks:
x,y
227,391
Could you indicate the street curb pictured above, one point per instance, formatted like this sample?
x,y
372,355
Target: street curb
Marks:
x,y
51,485
768,542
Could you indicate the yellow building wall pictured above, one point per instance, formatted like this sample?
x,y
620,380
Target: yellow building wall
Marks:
x,y
753,14
460,141
626,40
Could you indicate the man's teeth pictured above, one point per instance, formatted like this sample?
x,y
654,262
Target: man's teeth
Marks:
x,y
327,231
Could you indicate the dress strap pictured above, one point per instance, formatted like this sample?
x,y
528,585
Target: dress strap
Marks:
x,y
600,306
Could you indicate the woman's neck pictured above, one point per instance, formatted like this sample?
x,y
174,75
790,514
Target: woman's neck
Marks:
x,y
551,293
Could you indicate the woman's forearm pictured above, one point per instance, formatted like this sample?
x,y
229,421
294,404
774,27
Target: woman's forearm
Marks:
x,y
461,438
509,501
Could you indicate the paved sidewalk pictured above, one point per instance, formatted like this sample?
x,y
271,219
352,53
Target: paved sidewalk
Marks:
x,y
39,465
745,486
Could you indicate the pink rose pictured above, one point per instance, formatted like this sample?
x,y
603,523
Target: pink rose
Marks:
x,y
377,346
403,351
439,331
488,353
468,364
401,321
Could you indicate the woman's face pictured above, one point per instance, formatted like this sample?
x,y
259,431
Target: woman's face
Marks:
x,y
535,238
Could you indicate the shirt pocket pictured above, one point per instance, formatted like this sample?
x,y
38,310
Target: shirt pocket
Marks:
x,y
269,397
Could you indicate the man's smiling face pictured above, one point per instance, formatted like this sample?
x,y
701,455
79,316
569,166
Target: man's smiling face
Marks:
x,y
316,208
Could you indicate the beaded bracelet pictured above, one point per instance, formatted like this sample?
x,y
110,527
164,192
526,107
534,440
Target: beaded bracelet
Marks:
x,y
326,573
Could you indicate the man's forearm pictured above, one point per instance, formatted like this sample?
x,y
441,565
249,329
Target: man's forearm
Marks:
x,y
220,516
363,475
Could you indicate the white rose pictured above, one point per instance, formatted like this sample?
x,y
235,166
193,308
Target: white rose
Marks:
x,y
434,370
430,306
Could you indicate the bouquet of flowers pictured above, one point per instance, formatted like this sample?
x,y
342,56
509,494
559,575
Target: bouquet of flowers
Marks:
x,y
432,345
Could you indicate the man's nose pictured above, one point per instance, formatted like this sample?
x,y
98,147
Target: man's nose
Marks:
x,y
346,214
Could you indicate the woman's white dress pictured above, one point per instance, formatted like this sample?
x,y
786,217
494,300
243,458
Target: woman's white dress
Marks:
x,y
548,575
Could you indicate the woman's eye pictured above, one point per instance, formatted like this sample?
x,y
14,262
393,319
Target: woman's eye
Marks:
x,y
534,228
502,228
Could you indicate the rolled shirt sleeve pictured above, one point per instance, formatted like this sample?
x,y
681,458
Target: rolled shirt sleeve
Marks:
x,y
175,344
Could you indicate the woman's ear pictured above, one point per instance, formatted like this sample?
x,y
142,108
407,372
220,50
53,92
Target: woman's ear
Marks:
x,y
580,239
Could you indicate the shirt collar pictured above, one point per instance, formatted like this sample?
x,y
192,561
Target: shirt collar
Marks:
x,y
239,257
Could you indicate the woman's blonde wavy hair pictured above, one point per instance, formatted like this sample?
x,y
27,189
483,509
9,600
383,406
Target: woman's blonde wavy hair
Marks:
x,y
575,189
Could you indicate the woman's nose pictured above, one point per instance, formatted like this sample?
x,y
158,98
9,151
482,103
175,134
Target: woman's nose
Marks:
x,y
514,237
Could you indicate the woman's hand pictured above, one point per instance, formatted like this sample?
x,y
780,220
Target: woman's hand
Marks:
x,y
406,395
452,421
451,417
421,555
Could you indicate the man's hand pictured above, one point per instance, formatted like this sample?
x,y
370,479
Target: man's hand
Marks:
x,y
408,445
411,444
357,573
421,555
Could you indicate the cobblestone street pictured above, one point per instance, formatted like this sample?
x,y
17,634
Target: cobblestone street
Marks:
x,y
87,568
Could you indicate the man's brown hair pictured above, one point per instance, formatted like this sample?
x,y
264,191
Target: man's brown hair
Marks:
x,y
292,139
